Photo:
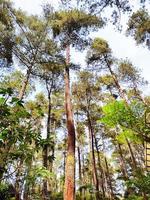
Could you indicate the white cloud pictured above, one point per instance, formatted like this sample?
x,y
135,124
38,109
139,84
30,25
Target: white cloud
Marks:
x,y
33,6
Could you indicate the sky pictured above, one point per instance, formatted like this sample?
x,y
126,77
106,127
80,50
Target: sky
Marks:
x,y
122,46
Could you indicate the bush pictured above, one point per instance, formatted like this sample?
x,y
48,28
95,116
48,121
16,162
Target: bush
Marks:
x,y
7,192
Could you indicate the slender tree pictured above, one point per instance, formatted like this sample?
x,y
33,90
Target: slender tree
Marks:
x,y
71,26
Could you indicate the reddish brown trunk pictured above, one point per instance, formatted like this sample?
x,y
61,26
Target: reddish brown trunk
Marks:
x,y
69,188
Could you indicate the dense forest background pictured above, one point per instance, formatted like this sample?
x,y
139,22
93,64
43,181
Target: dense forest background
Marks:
x,y
86,134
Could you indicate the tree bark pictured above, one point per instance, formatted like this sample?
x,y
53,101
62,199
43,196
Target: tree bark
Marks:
x,y
100,169
46,146
18,180
122,163
132,154
109,180
25,83
69,188
20,97
95,177
120,90
80,170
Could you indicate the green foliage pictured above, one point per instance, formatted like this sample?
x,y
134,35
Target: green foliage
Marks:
x,y
135,197
7,191
57,196
107,80
38,173
73,20
72,25
100,46
6,34
4,192
131,135
23,149
99,53
131,116
141,183
139,26
116,112
16,133
86,92
128,72
14,81
34,47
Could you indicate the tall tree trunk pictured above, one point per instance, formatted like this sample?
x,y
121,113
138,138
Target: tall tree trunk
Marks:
x,y
122,162
18,178
83,180
45,164
17,194
26,192
46,146
69,188
95,177
25,83
64,160
53,124
134,164
100,168
79,160
80,170
20,96
26,186
109,180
